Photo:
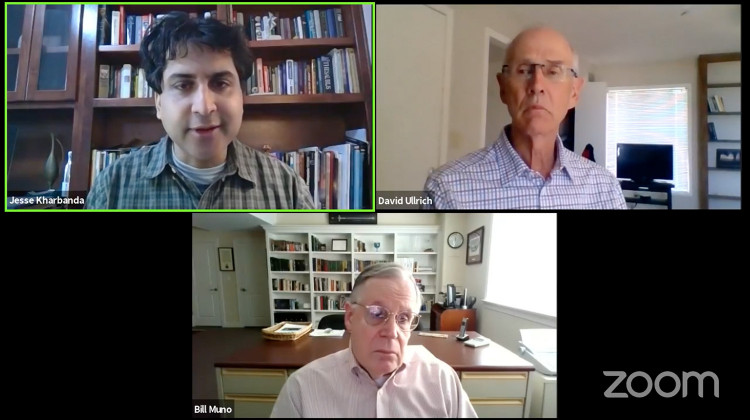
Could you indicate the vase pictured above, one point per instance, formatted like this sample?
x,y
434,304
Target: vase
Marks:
x,y
52,166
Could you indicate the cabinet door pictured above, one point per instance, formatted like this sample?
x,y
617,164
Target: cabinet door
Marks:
x,y
18,45
53,65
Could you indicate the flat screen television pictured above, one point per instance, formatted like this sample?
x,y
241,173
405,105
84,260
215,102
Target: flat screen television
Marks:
x,y
644,163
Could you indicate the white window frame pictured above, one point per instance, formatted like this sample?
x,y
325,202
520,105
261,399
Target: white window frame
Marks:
x,y
689,109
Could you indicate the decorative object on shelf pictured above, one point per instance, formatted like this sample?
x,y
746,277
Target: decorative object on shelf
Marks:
x,y
455,240
429,250
51,166
728,158
353,218
377,246
338,245
322,247
474,247
226,259
712,132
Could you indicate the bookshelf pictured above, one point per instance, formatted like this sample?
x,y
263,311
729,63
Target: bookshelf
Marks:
x,y
325,277
719,80
273,122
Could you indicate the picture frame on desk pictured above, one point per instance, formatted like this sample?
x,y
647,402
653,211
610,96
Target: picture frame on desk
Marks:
x,y
475,246
226,259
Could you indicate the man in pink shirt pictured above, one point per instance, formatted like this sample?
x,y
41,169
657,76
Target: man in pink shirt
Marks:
x,y
378,375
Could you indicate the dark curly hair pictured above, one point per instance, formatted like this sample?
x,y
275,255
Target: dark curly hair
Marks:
x,y
175,31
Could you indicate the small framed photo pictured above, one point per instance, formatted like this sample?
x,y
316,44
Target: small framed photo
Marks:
x,y
338,245
728,158
475,245
226,259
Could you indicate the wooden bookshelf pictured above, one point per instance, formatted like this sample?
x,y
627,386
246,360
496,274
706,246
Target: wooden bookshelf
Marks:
x,y
283,122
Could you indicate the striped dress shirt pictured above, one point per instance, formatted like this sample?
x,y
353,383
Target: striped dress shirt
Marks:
x,y
336,386
496,178
147,179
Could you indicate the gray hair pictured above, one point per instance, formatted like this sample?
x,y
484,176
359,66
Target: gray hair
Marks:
x,y
384,270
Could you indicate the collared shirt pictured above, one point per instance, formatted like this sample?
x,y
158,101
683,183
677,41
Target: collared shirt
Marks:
x,y
496,178
147,179
336,386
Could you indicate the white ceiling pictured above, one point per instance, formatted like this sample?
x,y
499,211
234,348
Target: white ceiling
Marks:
x,y
226,221
606,34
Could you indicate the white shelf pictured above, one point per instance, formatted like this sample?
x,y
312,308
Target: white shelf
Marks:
x,y
416,253
332,293
291,291
289,252
290,272
374,253
332,272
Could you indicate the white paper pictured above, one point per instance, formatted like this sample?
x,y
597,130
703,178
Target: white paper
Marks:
x,y
327,332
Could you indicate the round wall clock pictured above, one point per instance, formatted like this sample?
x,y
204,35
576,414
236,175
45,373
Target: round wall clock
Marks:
x,y
455,240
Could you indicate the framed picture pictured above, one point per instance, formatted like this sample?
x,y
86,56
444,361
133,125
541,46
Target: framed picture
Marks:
x,y
474,247
338,245
728,158
226,259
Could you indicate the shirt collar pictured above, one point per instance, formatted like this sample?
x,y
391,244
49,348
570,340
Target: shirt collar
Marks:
x,y
236,152
360,372
513,166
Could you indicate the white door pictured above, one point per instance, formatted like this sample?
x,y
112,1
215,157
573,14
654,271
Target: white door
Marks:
x,y
207,304
412,48
591,120
252,281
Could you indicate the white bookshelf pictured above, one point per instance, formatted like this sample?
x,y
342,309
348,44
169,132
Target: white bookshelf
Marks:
x,y
418,245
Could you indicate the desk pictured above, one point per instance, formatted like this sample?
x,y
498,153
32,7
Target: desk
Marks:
x,y
495,378
653,187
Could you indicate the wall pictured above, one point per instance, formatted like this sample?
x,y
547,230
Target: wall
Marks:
x,y
665,73
227,278
367,10
383,219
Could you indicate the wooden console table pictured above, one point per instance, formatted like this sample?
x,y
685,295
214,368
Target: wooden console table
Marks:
x,y
448,319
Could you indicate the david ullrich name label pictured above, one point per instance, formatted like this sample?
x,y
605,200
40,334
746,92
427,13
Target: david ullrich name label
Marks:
x,y
213,408
402,200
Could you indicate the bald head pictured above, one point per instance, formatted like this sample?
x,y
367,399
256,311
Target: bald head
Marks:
x,y
540,44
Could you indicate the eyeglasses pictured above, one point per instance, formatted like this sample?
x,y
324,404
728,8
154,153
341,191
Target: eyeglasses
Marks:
x,y
553,72
378,315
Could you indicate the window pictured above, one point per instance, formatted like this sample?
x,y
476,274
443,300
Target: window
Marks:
x,y
522,270
650,116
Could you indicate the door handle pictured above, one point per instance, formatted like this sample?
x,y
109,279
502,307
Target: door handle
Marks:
x,y
214,290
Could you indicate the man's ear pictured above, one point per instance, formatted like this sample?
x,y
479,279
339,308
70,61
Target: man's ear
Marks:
x,y
157,101
575,92
502,89
348,316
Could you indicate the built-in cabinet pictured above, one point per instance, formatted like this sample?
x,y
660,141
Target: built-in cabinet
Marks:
x,y
312,269
719,78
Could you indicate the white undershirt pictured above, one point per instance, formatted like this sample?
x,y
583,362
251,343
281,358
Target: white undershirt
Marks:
x,y
201,177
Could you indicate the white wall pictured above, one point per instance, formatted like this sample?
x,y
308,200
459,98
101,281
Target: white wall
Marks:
x,y
665,73
227,278
367,10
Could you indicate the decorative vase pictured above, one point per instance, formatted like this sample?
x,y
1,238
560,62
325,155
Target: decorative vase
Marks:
x,y
52,166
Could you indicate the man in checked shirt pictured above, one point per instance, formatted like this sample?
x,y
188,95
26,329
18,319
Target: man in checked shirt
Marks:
x,y
195,67
528,167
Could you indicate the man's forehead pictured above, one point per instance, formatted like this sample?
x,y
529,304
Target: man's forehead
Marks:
x,y
541,44
204,64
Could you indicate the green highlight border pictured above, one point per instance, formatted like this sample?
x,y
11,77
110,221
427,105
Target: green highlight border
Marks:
x,y
372,129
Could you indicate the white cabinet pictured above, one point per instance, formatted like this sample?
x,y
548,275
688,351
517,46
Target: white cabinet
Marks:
x,y
542,395
312,269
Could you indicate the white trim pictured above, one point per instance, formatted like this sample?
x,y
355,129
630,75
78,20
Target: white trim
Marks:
x,y
538,318
351,229
448,12
488,35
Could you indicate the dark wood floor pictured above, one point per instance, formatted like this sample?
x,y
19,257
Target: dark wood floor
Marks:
x,y
211,344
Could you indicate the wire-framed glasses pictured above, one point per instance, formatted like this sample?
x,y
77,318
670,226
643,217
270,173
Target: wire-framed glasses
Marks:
x,y
554,72
377,315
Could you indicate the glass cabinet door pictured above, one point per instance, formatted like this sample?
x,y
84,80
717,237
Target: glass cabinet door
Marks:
x,y
54,52
18,39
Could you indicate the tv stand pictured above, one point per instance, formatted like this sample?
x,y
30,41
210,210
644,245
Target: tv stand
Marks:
x,y
649,186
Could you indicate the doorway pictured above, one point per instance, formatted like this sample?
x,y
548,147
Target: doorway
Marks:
x,y
496,114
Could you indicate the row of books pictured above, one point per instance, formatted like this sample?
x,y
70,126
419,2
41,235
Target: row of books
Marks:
x,y
286,304
327,303
281,245
100,159
289,285
716,104
325,284
126,81
320,264
335,72
283,264
361,265
317,244
116,27
312,24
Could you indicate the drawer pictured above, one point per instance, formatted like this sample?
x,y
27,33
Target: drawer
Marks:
x,y
245,407
252,381
498,408
495,384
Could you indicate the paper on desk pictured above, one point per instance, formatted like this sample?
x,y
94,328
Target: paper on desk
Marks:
x,y
327,333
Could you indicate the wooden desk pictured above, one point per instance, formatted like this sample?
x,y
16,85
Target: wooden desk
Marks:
x,y
495,378
442,318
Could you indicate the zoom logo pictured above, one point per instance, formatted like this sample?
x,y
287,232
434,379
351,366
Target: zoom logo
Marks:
x,y
666,389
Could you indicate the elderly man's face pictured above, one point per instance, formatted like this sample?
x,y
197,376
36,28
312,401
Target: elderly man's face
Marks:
x,y
379,349
539,104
